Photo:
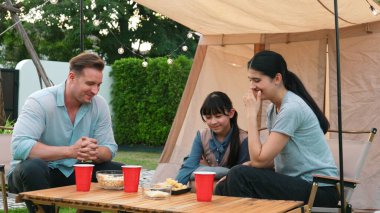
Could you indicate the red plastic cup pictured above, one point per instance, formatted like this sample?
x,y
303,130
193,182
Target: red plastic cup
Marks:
x,y
204,185
83,175
131,175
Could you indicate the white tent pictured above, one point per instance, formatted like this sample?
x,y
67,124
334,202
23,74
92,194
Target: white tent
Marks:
x,y
303,32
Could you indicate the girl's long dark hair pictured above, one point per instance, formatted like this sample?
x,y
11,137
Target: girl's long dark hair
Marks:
x,y
219,103
270,63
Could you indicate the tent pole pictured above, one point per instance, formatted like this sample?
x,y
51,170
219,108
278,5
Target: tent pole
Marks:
x,y
28,44
336,15
81,26
187,95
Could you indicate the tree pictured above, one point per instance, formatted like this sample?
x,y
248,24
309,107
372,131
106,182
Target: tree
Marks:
x,y
109,25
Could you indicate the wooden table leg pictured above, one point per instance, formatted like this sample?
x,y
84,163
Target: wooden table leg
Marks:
x,y
301,209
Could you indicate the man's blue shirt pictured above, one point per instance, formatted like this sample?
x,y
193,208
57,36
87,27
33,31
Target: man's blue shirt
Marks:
x,y
44,118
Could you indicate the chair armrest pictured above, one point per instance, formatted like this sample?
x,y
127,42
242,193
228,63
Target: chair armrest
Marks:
x,y
16,197
334,180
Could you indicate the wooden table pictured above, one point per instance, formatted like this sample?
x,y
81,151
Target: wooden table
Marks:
x,y
115,201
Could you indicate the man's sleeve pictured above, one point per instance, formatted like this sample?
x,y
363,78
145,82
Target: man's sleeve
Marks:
x,y
103,132
28,129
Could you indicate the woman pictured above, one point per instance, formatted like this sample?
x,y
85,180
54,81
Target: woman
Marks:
x,y
296,145
221,145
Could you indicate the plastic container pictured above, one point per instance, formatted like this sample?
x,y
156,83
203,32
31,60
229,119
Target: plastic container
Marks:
x,y
156,191
110,179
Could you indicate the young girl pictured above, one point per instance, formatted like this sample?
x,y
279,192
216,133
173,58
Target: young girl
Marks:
x,y
296,144
220,146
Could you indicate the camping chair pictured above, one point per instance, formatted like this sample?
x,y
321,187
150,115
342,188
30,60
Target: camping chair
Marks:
x,y
3,188
4,193
4,164
355,154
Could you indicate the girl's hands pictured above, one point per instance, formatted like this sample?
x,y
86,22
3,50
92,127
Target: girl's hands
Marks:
x,y
247,163
221,180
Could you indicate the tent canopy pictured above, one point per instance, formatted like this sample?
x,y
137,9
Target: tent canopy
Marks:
x,y
217,17
303,32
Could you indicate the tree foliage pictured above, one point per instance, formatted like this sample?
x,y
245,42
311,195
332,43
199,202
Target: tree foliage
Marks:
x,y
54,30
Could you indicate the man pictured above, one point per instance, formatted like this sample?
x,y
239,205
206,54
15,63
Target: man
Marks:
x,y
60,126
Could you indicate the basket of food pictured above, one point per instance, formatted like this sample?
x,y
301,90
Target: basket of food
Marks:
x,y
110,179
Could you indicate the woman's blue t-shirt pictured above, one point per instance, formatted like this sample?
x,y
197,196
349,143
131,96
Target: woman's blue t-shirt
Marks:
x,y
306,152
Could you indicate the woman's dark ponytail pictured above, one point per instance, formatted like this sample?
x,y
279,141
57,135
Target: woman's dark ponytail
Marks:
x,y
233,157
294,84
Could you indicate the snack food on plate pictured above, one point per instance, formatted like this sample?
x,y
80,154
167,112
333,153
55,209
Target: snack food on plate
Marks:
x,y
175,185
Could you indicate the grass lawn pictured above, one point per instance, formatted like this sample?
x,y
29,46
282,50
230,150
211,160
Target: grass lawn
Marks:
x,y
145,156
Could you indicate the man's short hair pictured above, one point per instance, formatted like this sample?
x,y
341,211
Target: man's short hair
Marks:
x,y
86,60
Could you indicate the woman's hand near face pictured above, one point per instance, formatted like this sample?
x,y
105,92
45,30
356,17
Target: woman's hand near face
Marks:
x,y
252,102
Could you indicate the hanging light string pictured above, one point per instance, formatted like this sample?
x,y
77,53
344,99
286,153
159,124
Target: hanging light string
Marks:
x,y
120,50
10,27
28,14
184,47
145,63
374,11
122,46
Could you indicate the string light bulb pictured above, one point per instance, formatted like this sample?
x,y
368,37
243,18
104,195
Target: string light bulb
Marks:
x,y
190,35
53,1
170,61
184,48
144,63
374,11
120,50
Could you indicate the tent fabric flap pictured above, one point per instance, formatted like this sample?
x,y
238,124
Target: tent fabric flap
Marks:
x,y
360,89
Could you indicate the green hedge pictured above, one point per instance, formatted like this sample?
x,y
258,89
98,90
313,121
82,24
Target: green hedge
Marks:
x,y
145,99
